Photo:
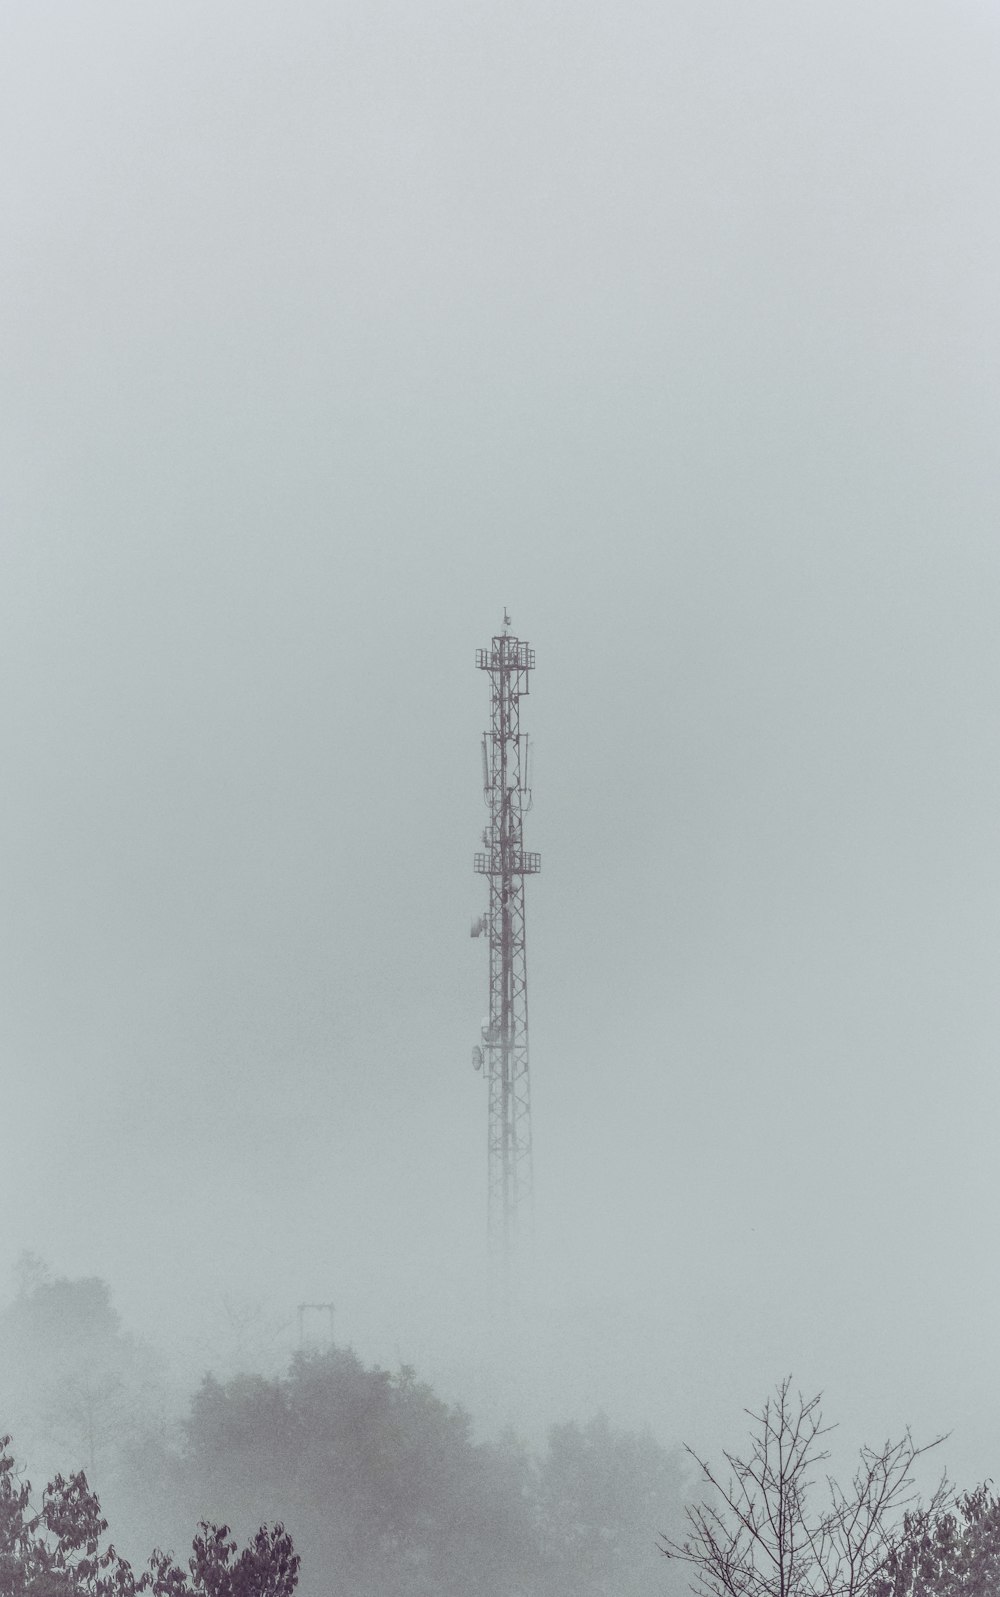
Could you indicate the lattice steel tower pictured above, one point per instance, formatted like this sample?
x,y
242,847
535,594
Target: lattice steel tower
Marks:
x,y
503,1051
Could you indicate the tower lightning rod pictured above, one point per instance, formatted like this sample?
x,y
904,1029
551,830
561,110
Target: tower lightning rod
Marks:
x,y
502,1053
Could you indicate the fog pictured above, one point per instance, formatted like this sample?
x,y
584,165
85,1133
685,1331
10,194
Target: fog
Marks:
x,y
331,329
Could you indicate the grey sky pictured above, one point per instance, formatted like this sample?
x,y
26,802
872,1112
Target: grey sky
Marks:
x,y
328,331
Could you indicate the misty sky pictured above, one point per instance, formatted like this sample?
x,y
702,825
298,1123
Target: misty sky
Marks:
x,y
330,329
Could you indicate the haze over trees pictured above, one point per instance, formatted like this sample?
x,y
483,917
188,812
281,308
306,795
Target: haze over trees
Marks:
x,y
382,1485
385,1489
76,1389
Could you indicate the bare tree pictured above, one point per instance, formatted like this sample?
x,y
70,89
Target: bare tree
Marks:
x,y
761,1534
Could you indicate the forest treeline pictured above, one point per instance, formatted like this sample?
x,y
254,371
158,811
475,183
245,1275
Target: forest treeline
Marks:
x,y
380,1483
360,1482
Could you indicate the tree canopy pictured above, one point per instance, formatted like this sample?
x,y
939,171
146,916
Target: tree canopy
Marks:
x,y
383,1485
387,1490
951,1553
59,1549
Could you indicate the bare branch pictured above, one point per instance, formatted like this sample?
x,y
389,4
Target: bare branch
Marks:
x,y
759,1535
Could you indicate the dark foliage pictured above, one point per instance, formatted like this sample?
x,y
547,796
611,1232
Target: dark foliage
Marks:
x,y
952,1553
59,1550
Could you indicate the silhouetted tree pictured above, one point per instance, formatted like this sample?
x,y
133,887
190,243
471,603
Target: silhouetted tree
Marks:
x,y
762,1535
951,1553
59,1550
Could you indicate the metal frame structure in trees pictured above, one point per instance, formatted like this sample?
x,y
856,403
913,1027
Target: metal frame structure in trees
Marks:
x,y
503,1051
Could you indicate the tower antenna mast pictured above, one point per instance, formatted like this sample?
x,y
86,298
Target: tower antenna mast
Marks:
x,y
503,1051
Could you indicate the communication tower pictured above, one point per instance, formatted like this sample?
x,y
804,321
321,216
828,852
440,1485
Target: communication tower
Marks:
x,y
502,1053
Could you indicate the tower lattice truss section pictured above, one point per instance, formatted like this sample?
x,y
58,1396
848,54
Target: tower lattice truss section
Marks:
x,y
503,1052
